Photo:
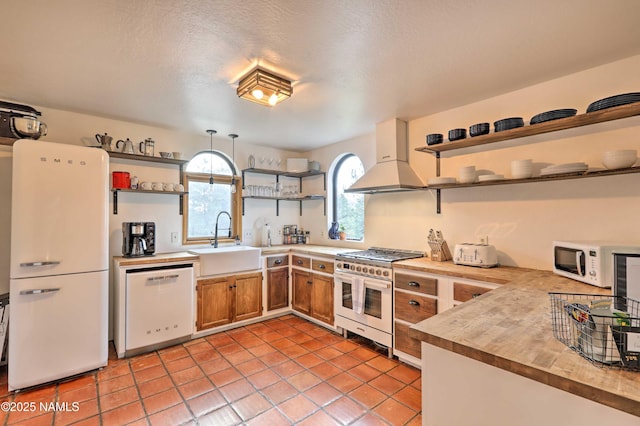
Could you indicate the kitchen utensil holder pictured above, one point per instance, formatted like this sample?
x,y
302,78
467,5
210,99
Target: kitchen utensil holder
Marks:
x,y
605,340
440,252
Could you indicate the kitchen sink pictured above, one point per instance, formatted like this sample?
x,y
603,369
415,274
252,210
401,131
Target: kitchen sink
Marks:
x,y
227,260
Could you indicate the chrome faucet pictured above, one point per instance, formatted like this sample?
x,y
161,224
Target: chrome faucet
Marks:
x,y
215,237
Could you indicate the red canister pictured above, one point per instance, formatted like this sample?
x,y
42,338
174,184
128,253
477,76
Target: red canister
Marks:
x,y
120,180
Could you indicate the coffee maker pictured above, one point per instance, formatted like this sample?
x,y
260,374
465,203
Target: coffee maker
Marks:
x,y
138,239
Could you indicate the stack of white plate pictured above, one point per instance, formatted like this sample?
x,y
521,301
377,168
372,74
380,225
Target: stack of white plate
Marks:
x,y
467,174
564,168
441,180
521,169
487,178
619,159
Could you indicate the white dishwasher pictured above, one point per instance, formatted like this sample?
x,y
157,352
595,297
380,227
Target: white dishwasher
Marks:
x,y
159,306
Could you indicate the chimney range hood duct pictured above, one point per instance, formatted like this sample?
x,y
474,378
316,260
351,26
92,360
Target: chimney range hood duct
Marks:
x,y
392,172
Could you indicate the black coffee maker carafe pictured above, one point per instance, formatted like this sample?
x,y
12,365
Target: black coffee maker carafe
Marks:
x,y
138,239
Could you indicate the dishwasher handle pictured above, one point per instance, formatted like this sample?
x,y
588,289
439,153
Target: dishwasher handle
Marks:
x,y
163,277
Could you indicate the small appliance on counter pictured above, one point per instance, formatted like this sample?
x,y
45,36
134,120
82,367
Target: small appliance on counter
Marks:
x,y
138,239
439,248
20,122
475,254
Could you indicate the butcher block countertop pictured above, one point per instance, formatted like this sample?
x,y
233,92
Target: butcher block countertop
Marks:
x,y
510,328
309,249
181,256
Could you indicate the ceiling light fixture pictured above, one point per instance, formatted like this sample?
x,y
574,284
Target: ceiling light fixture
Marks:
x,y
264,88
211,133
233,137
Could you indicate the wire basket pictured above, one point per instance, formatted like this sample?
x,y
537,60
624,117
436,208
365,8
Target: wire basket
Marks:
x,y
603,329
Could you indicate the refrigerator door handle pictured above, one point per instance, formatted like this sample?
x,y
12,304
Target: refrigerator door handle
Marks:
x,y
39,291
45,263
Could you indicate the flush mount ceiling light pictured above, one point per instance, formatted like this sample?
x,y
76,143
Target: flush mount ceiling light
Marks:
x,y
264,88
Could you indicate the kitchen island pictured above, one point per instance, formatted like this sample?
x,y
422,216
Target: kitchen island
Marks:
x,y
496,356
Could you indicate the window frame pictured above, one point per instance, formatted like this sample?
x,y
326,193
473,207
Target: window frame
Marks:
x,y
236,201
334,192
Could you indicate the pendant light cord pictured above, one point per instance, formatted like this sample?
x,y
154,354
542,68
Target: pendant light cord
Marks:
x,y
211,133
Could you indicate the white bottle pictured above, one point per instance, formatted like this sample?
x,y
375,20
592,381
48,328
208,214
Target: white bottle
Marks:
x,y
266,235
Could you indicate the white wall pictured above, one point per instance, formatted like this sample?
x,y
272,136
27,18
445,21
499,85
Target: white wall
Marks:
x,y
520,220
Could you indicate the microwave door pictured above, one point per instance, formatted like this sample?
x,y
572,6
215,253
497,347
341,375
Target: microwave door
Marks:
x,y
570,260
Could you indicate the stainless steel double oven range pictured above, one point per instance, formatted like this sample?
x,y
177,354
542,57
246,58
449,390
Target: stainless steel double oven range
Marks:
x,y
364,292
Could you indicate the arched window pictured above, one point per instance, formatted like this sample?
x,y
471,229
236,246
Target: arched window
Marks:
x,y
348,209
205,200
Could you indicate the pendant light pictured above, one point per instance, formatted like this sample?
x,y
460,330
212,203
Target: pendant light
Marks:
x,y
211,133
233,137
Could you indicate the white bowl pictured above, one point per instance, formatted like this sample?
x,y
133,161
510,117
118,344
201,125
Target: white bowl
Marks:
x,y
619,159
441,180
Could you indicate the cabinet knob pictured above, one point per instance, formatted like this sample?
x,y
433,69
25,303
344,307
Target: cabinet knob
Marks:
x,y
474,295
309,282
414,284
299,262
277,261
322,266
414,303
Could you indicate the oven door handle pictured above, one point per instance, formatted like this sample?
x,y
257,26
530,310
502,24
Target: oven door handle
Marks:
x,y
370,283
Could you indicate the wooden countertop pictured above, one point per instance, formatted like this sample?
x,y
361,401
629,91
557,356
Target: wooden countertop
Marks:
x,y
510,328
309,249
181,256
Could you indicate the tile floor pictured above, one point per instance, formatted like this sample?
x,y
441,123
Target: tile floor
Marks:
x,y
278,372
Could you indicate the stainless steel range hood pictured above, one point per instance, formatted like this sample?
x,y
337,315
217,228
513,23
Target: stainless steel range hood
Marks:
x,y
392,172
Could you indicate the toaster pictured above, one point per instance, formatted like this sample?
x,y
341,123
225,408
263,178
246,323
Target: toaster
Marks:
x,y
471,254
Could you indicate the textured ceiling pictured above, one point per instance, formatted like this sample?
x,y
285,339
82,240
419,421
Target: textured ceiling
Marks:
x,y
176,63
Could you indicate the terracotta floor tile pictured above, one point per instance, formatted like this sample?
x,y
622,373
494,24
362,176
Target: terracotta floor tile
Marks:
x,y
94,421
206,403
328,353
145,361
197,346
263,379
300,337
79,394
149,373
206,356
123,415
261,350
85,409
272,417
271,336
325,370
410,397
273,358
329,338
47,393
344,382
294,351
364,372
175,415
287,368
225,377
416,421
345,362
288,331
322,394
180,364
251,406
370,420
160,401
113,385
80,382
250,342
239,356
172,353
363,354
319,418
230,348
215,366
257,328
386,384
237,390
185,376
224,416
303,380
219,339
346,346
118,398
394,412
417,384
282,343
155,386
345,410
40,420
309,360
405,373
251,367
382,363
367,395
195,388
313,345
279,392
297,408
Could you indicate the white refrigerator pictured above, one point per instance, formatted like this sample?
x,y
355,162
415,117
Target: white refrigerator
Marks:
x,y
59,280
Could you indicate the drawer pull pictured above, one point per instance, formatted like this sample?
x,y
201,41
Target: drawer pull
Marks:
x,y
474,295
163,277
414,303
414,284
277,262
309,282
321,266
299,262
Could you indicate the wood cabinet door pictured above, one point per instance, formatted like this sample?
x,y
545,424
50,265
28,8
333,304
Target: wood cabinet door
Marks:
x,y
322,298
277,288
248,296
214,302
301,283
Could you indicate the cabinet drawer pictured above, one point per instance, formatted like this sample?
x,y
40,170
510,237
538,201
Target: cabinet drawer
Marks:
x,y
465,292
404,342
325,266
302,262
414,308
275,261
416,283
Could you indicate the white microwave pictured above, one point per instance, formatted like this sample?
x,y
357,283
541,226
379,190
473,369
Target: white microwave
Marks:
x,y
588,261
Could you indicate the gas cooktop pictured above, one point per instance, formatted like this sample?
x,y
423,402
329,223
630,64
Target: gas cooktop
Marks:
x,y
379,254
